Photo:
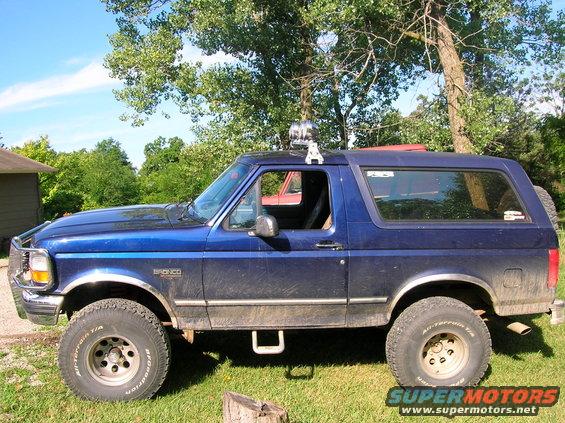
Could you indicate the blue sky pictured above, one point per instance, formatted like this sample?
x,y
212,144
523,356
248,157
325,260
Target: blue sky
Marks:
x,y
52,80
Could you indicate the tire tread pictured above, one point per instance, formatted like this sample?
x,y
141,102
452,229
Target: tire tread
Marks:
x,y
412,314
79,320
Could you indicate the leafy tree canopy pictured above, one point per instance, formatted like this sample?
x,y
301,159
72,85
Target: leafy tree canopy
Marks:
x,y
289,58
101,177
341,62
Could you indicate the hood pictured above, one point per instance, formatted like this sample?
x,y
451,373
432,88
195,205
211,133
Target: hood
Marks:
x,y
142,217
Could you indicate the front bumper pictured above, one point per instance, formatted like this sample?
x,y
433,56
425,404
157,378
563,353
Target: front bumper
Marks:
x,y
38,309
557,312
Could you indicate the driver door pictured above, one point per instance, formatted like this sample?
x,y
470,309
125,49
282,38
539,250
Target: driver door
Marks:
x,y
295,279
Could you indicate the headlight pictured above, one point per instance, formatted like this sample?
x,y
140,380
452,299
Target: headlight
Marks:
x,y
40,268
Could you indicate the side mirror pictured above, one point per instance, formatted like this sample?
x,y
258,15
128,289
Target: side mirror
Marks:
x,y
266,226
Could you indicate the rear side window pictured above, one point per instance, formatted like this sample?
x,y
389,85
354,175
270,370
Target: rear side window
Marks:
x,y
443,195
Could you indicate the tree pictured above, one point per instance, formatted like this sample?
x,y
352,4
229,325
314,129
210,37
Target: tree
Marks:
x,y
41,151
174,172
109,178
339,61
62,191
162,177
292,59
160,153
68,193
476,44
84,179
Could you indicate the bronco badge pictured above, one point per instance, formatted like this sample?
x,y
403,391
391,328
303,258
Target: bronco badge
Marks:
x,y
168,273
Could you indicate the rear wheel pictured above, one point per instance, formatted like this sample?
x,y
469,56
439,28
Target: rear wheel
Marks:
x,y
114,350
438,341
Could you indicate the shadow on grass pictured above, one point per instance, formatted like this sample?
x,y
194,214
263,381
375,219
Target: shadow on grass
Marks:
x,y
304,351
307,349
189,366
303,348
511,344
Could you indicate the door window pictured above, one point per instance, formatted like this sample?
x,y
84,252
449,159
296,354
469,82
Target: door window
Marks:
x,y
298,200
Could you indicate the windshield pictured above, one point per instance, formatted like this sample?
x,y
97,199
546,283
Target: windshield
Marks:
x,y
209,202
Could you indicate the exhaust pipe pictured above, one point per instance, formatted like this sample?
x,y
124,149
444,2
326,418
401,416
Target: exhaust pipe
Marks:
x,y
519,328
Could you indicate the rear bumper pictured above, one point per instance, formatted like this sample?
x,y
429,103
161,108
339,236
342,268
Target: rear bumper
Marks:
x,y
557,310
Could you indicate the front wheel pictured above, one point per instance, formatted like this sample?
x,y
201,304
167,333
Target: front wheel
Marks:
x,y
114,350
438,341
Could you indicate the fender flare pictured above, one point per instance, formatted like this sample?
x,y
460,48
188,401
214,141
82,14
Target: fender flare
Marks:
x,y
94,278
443,277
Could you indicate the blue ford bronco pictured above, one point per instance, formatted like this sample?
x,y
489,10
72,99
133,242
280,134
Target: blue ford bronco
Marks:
x,y
423,243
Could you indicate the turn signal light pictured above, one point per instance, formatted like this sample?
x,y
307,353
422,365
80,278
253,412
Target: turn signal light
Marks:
x,y
553,268
39,276
39,266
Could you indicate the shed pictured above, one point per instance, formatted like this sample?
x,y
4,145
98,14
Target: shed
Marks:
x,y
20,197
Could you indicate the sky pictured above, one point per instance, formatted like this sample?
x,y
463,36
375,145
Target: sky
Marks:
x,y
52,81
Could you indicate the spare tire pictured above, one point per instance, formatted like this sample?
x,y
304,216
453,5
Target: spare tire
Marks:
x,y
548,205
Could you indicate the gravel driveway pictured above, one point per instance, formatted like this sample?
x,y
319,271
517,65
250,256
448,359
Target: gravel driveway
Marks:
x,y
12,328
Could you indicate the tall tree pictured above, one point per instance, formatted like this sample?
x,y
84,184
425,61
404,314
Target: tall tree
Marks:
x,y
300,58
479,45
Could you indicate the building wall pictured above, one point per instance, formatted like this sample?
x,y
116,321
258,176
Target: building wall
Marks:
x,y
20,205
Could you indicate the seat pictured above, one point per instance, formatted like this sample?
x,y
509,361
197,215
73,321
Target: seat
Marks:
x,y
317,210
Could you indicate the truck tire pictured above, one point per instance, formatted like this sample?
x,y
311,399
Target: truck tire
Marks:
x,y
114,350
438,341
548,205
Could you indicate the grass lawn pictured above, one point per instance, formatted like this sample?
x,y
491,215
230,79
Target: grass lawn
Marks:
x,y
324,376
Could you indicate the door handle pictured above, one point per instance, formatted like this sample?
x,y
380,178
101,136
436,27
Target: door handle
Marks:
x,y
329,245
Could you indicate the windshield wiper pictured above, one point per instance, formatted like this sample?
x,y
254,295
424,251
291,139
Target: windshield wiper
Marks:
x,y
186,215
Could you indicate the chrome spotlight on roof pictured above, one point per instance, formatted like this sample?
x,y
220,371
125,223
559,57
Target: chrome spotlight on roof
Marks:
x,y
305,134
302,133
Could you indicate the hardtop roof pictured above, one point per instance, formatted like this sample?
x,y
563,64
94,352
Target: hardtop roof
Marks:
x,y
376,158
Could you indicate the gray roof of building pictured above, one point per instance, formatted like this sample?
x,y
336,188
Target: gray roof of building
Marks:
x,y
14,163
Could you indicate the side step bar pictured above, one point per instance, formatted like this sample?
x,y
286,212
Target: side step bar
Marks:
x,y
267,349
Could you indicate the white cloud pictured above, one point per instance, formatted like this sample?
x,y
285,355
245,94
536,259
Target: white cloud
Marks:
x,y
77,61
193,54
91,76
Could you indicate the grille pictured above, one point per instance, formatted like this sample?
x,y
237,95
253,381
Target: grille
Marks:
x,y
18,263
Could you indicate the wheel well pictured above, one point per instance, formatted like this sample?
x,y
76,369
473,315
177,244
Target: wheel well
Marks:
x,y
469,293
88,293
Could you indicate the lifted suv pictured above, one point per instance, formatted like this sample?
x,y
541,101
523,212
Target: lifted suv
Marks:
x,y
421,241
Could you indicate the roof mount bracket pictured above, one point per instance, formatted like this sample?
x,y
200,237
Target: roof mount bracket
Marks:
x,y
305,134
314,154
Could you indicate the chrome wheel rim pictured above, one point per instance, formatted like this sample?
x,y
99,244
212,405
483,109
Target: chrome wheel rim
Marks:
x,y
113,360
444,355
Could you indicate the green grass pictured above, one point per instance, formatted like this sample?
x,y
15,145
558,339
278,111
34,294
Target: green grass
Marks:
x,y
324,376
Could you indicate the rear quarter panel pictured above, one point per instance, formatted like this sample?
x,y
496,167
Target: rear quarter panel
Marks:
x,y
508,259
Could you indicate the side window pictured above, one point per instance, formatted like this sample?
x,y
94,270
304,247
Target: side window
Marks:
x,y
443,195
298,200
247,210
